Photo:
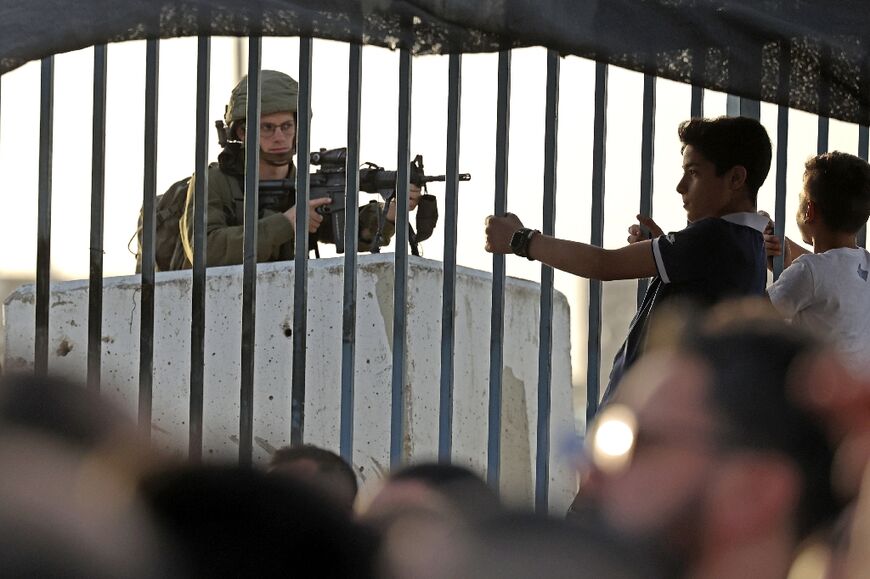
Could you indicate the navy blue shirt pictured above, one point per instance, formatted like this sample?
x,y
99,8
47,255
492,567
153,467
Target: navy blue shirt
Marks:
x,y
710,260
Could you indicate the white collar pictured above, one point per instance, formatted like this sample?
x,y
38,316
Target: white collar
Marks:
x,y
751,219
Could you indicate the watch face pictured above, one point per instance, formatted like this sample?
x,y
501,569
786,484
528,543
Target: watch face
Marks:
x,y
517,240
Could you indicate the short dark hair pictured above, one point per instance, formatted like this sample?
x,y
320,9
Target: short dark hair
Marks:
x,y
327,461
839,184
731,141
754,364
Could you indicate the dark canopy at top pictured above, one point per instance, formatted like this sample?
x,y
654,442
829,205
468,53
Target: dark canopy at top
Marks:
x,y
808,54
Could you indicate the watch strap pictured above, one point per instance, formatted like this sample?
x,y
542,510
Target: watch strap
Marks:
x,y
521,247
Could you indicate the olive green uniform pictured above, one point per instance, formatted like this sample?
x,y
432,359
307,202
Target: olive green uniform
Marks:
x,y
275,235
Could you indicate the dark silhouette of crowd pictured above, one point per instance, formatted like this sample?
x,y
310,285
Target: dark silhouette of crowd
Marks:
x,y
736,447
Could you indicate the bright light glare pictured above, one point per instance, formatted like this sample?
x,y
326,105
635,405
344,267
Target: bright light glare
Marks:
x,y
614,438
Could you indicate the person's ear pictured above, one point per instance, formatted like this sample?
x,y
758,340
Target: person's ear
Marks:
x,y
240,132
754,493
737,177
810,211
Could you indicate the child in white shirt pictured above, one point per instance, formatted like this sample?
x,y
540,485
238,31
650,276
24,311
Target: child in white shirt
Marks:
x,y
828,290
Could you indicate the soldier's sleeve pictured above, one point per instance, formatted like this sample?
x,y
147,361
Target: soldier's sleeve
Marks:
x,y
225,232
368,226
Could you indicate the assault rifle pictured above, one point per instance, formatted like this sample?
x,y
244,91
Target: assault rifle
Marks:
x,y
330,180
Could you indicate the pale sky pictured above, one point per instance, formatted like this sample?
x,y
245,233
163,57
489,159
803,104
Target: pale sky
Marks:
x,y
19,146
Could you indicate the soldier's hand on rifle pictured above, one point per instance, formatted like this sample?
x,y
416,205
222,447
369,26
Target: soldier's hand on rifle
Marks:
x,y
314,218
414,194
499,231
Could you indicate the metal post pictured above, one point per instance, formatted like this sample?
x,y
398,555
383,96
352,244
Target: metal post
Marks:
x,y
697,104
599,141
647,151
249,259
351,227
781,155
545,345
98,192
496,337
43,235
400,294
826,62
863,150
448,304
742,107
149,194
200,210
300,268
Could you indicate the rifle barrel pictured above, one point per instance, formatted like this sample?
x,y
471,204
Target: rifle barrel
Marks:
x,y
462,177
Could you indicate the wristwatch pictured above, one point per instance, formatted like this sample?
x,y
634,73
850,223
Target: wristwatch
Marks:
x,y
520,241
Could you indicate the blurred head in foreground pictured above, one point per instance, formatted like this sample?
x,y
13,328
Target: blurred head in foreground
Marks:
x,y
421,511
70,463
237,522
708,451
527,546
325,471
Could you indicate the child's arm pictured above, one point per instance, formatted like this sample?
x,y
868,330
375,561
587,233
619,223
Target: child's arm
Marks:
x,y
774,247
792,252
630,262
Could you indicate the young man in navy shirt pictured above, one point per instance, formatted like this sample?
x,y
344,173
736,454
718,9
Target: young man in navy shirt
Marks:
x,y
719,255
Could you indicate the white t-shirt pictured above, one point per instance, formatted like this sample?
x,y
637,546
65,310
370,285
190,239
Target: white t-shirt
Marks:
x,y
829,293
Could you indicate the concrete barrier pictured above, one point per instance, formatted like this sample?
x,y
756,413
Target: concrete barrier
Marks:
x,y
274,323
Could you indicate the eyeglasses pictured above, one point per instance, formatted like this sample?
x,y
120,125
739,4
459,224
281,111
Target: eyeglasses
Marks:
x,y
615,438
268,129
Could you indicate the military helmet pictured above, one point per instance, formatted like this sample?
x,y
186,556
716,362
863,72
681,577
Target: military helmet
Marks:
x,y
278,93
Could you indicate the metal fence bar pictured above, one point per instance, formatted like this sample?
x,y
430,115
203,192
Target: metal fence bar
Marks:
x,y
351,227
736,106
448,304
824,102
863,152
496,337
823,135
697,103
400,293
249,260
149,193
647,153
300,268
545,344
599,140
781,183
200,204
98,193
781,155
43,235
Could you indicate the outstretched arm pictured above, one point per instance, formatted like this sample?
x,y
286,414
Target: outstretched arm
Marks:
x,y
630,262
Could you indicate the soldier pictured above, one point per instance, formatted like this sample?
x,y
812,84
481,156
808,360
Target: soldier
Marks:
x,y
276,225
